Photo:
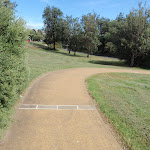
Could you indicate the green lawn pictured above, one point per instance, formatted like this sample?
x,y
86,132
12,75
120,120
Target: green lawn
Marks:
x,y
125,100
41,60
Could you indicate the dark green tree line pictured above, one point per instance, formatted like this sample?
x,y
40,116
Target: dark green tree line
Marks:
x,y
126,37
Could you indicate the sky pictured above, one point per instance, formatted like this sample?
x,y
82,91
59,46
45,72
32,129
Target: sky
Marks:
x,y
31,10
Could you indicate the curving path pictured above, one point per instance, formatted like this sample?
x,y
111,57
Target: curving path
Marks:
x,y
43,125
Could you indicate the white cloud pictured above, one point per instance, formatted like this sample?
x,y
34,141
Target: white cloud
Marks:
x,y
95,3
46,1
35,25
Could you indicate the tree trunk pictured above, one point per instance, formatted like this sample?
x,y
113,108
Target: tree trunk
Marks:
x,y
54,45
74,53
132,60
69,51
49,46
88,53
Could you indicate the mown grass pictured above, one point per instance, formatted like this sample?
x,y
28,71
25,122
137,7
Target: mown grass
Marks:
x,y
41,60
125,99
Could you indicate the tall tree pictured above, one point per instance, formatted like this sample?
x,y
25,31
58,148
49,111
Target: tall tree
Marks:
x,y
76,35
66,31
137,27
132,36
103,24
114,45
52,20
91,32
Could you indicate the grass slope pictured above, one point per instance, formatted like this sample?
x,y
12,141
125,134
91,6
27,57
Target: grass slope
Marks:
x,y
125,100
42,60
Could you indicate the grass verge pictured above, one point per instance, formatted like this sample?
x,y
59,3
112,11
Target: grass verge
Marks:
x,y
42,60
125,100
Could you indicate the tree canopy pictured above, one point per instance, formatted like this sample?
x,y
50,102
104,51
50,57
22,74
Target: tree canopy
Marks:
x,y
52,21
126,37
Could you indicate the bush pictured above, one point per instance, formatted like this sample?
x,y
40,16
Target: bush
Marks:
x,y
36,38
13,66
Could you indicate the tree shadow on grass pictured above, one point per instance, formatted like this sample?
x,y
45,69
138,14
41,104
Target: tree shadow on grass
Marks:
x,y
145,68
46,48
67,54
115,63
39,45
112,63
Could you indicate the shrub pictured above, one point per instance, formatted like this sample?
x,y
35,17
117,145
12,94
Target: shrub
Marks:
x,y
37,38
13,66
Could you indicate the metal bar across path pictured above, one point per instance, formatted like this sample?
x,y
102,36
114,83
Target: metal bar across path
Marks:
x,y
58,107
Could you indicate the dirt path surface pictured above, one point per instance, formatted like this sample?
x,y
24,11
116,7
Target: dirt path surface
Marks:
x,y
53,129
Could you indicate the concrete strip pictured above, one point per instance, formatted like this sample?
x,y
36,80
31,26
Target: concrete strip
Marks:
x,y
58,107
67,107
51,107
25,106
86,107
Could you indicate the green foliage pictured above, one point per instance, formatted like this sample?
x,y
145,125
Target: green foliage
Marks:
x,y
91,32
137,27
37,38
32,33
113,45
103,24
76,37
66,31
13,71
41,34
35,35
8,4
129,38
72,34
13,67
52,21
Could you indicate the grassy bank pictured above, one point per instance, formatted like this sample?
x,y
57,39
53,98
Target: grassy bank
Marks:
x,y
125,100
41,60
